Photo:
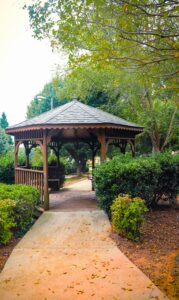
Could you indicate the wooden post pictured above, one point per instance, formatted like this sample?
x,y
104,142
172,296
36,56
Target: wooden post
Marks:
x,y
122,146
45,170
132,144
133,148
16,149
93,167
102,140
27,152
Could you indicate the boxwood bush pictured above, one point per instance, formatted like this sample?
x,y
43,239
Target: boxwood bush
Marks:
x,y
150,178
128,215
26,198
7,221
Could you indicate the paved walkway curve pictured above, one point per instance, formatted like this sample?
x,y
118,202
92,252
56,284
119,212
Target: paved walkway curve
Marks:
x,y
69,255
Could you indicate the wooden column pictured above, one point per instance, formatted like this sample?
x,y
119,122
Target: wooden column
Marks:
x,y
16,148
45,170
122,146
27,152
132,144
102,141
93,167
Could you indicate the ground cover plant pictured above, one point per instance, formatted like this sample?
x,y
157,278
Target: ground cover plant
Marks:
x,y
152,178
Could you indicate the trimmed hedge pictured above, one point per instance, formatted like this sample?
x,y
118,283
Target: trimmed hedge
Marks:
x,y
7,221
26,198
150,178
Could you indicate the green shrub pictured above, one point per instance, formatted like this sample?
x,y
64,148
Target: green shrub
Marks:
x,y
128,214
168,181
26,198
6,220
7,168
150,178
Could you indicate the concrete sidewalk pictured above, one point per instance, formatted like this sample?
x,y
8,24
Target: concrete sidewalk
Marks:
x,y
69,255
77,196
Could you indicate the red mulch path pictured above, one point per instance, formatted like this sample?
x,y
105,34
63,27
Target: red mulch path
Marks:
x,y
157,254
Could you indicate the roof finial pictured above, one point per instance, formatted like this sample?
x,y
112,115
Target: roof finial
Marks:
x,y
74,98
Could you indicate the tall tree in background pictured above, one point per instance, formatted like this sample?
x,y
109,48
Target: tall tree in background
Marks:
x,y
3,121
132,96
45,100
137,38
5,140
132,34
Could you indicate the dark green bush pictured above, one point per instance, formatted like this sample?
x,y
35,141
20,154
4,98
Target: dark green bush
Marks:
x,y
168,181
150,178
26,198
128,214
6,220
7,168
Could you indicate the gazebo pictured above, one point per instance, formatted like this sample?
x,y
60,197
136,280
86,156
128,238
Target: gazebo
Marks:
x,y
73,121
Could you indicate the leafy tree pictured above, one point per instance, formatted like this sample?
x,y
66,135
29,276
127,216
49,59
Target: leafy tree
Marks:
x,y
132,96
3,121
135,34
80,152
5,142
44,101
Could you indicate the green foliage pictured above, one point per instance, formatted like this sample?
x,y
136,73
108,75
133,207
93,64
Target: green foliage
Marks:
x,y
79,152
116,33
151,178
70,166
133,97
3,121
168,181
6,220
26,198
7,168
128,216
5,142
42,102
36,157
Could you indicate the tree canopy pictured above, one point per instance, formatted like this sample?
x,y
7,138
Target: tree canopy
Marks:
x,y
123,57
45,100
135,34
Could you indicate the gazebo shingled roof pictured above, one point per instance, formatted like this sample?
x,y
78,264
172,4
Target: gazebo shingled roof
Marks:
x,y
73,121
75,112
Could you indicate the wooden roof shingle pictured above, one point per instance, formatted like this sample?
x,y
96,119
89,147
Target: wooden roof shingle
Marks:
x,y
75,112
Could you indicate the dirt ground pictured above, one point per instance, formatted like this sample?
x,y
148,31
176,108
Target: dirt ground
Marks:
x,y
157,254
5,251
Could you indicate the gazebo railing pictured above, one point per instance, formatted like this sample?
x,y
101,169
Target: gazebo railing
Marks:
x,y
30,177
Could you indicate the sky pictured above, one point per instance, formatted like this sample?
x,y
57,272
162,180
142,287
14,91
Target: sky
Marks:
x,y
26,64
